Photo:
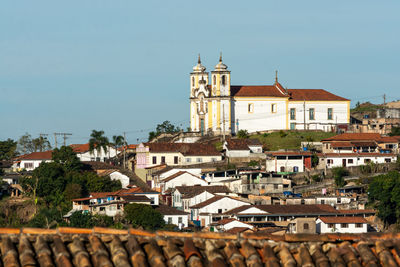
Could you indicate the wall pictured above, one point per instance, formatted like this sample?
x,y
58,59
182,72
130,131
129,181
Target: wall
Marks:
x,y
323,228
183,179
357,160
175,219
92,156
274,164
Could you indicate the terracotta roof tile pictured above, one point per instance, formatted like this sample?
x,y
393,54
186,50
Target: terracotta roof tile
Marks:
x,y
313,95
100,247
80,148
191,191
167,210
347,219
187,149
45,155
256,90
354,137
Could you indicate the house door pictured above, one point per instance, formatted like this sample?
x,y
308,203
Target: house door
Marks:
x,y
202,126
203,222
344,162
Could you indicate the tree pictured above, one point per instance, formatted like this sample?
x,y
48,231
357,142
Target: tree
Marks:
x,y
395,131
66,156
338,174
98,141
28,145
72,191
41,144
314,160
165,127
141,215
243,134
8,149
384,194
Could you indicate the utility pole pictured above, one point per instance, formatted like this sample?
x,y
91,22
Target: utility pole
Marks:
x,y
125,150
55,140
384,99
304,111
64,137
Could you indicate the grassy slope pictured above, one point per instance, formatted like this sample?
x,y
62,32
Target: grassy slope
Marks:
x,y
292,140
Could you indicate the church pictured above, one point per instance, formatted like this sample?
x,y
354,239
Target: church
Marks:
x,y
217,107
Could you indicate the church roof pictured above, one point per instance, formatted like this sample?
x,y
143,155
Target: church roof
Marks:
x,y
313,95
256,90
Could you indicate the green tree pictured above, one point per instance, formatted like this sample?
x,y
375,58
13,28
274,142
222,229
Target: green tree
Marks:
x,y
95,183
41,144
47,218
72,191
8,149
98,141
66,156
141,215
243,134
81,219
338,174
395,131
314,160
28,145
384,194
165,127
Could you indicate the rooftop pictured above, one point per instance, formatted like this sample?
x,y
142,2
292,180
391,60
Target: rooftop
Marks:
x,y
112,247
186,149
191,191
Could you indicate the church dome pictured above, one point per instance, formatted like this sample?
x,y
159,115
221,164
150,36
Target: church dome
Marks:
x,y
199,67
220,66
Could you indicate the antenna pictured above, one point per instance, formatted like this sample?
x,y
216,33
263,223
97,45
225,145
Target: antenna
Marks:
x,y
64,137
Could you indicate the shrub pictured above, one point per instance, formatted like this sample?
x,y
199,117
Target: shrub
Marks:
x,y
338,174
141,215
243,134
282,134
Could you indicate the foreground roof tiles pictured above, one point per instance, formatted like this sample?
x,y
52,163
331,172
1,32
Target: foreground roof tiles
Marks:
x,y
111,247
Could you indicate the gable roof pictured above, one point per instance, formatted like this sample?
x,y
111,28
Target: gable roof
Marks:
x,y
80,148
353,137
242,144
191,191
212,200
45,155
175,175
313,95
167,210
256,90
186,149
289,209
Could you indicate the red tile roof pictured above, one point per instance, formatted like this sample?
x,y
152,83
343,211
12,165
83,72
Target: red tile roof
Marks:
x,y
256,90
186,149
173,176
354,137
366,211
288,209
242,144
349,219
45,155
212,200
80,148
290,153
167,210
313,95
236,230
191,191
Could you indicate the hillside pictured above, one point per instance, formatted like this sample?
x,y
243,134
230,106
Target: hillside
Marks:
x,y
290,139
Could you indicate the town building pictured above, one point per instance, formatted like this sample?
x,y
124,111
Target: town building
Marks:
x,y
31,161
341,225
84,154
242,148
181,178
174,216
290,161
302,226
225,225
218,107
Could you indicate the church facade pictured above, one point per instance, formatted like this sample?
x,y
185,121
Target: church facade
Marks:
x,y
217,107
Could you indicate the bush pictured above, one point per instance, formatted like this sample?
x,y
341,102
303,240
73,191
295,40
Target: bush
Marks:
x,y
314,160
338,174
141,215
243,134
316,178
282,134
253,163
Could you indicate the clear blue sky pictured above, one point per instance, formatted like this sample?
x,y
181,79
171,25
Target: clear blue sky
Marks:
x,y
73,66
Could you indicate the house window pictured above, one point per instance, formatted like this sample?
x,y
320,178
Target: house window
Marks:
x,y
214,80
162,159
154,160
359,225
388,160
176,160
322,201
350,161
188,160
306,226
28,165
292,126
292,113
273,108
312,114
97,158
330,113
367,160
169,220
250,108
219,210
199,160
179,219
331,225
223,80
344,225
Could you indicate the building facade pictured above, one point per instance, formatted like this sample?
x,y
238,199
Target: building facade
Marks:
x,y
218,107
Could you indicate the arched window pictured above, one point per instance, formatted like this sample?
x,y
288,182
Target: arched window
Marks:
x,y
214,80
192,81
223,79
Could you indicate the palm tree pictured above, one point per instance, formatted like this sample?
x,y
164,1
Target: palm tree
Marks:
x,y
98,141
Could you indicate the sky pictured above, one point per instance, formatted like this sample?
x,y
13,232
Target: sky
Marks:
x,y
123,66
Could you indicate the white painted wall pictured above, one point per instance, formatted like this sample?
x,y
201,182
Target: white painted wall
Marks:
x,y
24,164
340,114
94,155
357,160
120,177
274,165
183,179
220,206
322,228
262,118
174,219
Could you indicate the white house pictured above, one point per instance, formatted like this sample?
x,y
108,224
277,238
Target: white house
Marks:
x,y
31,161
331,160
212,209
84,154
229,223
350,224
180,179
289,161
184,197
174,216
242,147
116,175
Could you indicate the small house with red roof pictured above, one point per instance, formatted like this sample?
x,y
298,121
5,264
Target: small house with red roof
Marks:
x,y
31,161
348,224
84,154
